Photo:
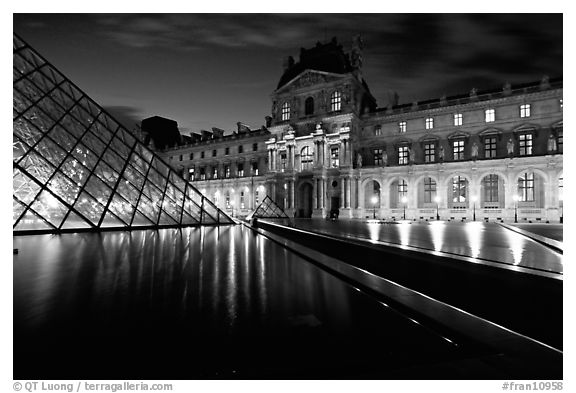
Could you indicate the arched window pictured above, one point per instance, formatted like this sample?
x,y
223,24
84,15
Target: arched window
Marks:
x,y
458,189
309,106
429,190
336,101
526,187
306,158
285,111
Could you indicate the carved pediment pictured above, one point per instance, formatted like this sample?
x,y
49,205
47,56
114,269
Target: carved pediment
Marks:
x,y
310,78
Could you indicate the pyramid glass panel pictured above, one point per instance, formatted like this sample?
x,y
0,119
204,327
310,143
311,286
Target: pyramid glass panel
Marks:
x,y
76,168
268,209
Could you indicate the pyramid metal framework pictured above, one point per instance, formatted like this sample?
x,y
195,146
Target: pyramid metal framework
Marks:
x,y
77,169
268,209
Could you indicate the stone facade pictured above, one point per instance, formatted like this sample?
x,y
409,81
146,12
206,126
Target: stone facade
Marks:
x,y
327,148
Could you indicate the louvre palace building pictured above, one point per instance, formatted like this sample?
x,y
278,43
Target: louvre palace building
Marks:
x,y
328,148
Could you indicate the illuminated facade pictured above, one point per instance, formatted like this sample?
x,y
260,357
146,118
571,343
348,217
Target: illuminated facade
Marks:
x,y
75,168
485,155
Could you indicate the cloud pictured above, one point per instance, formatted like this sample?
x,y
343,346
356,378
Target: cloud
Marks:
x,y
128,116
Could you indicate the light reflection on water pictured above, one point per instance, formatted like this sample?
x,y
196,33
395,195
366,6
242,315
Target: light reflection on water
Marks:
x,y
228,277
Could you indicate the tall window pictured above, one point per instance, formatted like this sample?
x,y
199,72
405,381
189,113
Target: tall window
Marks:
x,y
226,151
561,189
202,155
334,157
402,127
525,144
378,157
202,174
240,170
561,141
214,153
378,130
242,205
181,157
402,189
526,187
191,156
226,171
525,110
403,155
309,106
256,198
490,185
336,101
255,170
429,189
215,173
255,147
191,174
285,111
227,199
490,147
240,149
490,115
458,189
283,159
429,123
306,158
458,119
430,152
458,149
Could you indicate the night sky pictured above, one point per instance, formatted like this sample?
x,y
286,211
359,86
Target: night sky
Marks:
x,y
213,70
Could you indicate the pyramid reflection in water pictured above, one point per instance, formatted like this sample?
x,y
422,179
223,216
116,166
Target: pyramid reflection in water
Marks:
x,y
76,168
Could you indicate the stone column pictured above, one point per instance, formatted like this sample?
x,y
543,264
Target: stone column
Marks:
x,y
348,185
342,193
292,185
322,194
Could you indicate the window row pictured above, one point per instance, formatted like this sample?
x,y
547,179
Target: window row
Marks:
x,y
212,173
309,108
433,153
489,117
214,153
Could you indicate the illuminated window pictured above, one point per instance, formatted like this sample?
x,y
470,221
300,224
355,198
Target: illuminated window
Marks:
x,y
242,205
226,171
306,158
429,189
525,110
403,155
458,119
490,185
202,174
378,157
285,111
561,189
402,189
240,170
526,187
227,199
335,101
458,149
256,198
429,152
283,160
560,141
525,144
402,127
490,115
378,130
215,173
490,147
458,189
429,123
255,170
334,157
191,174
309,106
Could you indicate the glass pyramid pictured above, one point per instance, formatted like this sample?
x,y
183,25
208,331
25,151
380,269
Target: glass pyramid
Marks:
x,y
75,168
268,209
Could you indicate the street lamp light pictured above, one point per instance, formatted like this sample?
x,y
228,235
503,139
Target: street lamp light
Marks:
x,y
437,200
374,200
474,199
516,198
404,200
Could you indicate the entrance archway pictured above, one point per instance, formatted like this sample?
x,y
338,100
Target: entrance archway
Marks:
x,y
305,200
